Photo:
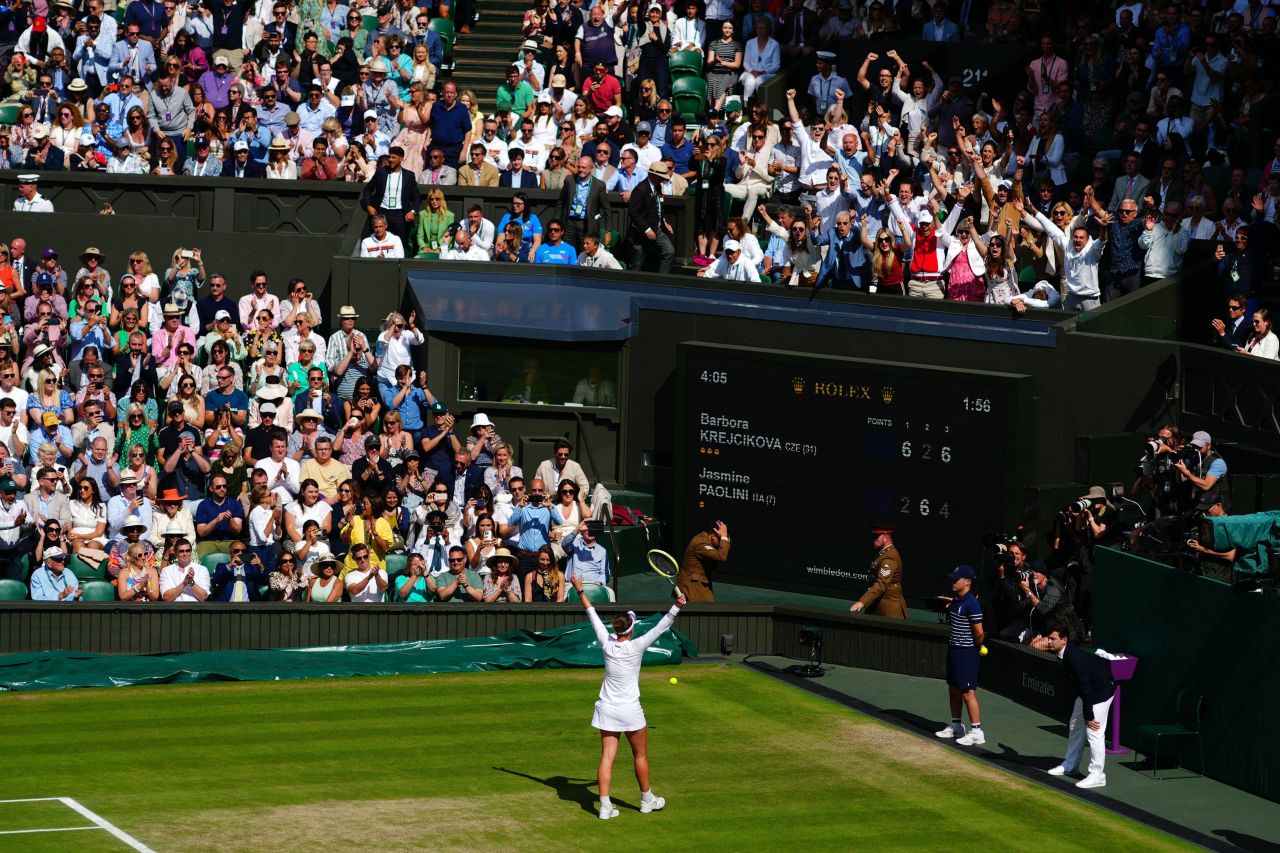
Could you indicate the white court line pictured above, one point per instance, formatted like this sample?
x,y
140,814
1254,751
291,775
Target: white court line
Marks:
x,y
99,822
57,829
107,825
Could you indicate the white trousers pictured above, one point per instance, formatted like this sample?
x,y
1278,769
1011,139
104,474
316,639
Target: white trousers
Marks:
x,y
1078,729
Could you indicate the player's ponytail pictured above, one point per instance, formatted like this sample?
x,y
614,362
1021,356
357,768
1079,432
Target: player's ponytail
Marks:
x,y
624,622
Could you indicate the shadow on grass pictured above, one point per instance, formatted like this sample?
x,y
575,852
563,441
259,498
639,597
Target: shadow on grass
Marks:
x,y
571,790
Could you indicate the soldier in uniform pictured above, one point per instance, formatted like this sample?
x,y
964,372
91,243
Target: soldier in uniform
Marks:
x,y
706,548
29,199
884,598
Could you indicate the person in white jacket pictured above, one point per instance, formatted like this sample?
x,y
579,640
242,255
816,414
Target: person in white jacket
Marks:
x,y
732,265
618,709
1263,343
1166,243
1081,255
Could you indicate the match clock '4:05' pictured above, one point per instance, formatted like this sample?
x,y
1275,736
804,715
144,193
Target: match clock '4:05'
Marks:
x,y
800,454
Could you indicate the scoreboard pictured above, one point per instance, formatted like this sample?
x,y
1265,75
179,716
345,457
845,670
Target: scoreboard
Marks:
x,y
800,454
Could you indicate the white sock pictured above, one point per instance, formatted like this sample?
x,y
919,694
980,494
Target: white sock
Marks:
x,y
646,796
605,804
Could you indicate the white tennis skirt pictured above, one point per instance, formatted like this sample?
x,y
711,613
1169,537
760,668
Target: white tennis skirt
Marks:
x,y
618,718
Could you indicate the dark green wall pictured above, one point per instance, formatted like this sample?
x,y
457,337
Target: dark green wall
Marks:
x,y
1196,634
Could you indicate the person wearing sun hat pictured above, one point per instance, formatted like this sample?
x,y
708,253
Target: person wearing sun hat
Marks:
x,y
173,334
172,519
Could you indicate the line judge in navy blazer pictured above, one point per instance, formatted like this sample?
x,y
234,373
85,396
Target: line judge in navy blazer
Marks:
x,y
1091,677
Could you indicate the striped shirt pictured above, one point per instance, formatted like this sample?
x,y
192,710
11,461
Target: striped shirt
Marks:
x,y
962,614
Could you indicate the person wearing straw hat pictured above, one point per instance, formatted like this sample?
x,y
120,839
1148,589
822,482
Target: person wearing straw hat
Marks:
x,y
501,583
130,534
649,231
338,347
92,260
618,709
29,199
173,334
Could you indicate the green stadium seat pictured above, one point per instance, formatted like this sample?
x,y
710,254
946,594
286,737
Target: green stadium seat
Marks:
x,y
98,591
9,113
12,590
85,571
444,27
396,563
212,561
595,594
1190,708
369,23
685,63
689,97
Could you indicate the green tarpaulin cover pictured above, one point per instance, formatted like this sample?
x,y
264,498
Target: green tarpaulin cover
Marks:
x,y
570,646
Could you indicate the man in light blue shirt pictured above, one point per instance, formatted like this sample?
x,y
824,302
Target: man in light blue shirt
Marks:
x,y
587,557
629,175
530,525
53,581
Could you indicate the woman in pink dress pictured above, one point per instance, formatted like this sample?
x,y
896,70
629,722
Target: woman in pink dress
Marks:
x,y
414,135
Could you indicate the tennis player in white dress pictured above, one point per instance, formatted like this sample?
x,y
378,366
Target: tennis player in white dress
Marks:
x,y
618,709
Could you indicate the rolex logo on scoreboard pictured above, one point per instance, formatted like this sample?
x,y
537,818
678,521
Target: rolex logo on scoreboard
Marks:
x,y
797,385
886,394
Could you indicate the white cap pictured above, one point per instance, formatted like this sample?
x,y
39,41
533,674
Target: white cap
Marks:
x,y
371,114
615,110
54,553
222,314
924,216
732,246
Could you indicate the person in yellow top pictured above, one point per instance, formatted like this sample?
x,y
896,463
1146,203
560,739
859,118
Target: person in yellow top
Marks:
x,y
371,528
884,598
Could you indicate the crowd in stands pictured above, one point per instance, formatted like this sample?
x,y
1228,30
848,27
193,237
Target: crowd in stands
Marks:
x,y
1128,143
181,445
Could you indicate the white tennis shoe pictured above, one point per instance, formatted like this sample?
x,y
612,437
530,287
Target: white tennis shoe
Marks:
x,y
1058,771
973,738
653,804
607,813
1093,780
949,732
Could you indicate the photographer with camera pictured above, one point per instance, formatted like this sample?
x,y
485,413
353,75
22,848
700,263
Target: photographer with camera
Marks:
x,y
1218,563
531,523
1205,468
1156,473
1084,523
1012,587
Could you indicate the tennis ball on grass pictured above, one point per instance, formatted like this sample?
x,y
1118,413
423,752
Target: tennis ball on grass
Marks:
x,y
673,680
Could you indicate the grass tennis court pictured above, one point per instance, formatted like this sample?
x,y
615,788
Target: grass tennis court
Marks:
x,y
504,760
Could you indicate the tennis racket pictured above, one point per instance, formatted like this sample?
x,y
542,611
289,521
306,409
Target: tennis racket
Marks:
x,y
664,564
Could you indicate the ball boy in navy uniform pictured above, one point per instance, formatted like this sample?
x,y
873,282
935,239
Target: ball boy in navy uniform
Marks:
x,y
964,620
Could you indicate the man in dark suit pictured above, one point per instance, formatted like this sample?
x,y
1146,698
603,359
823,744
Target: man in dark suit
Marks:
x,y
649,232
584,204
516,176
393,192
1232,332
240,166
797,30
1091,677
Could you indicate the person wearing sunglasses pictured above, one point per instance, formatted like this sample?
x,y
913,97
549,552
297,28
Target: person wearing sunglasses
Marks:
x,y
240,579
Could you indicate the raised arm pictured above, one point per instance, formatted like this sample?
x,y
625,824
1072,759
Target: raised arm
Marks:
x,y
602,633
862,71
667,620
